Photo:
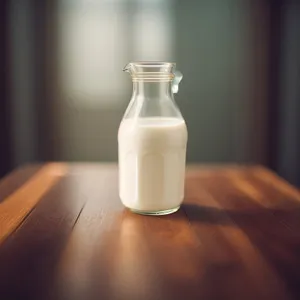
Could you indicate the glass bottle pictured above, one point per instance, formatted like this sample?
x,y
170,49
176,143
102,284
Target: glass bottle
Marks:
x,y
152,141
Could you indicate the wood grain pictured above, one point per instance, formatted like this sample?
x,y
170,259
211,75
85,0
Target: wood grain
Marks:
x,y
236,221
16,206
28,258
237,236
121,257
16,179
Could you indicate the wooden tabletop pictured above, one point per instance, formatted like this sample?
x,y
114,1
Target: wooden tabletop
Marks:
x,y
64,234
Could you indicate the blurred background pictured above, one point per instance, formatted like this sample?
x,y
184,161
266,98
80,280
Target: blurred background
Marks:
x,y
63,93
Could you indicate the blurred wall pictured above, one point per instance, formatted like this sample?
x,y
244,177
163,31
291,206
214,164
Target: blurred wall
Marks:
x,y
69,93
214,43
221,47
23,81
288,142
95,39
5,134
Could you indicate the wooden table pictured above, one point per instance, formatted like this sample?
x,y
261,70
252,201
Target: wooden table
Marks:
x,y
65,235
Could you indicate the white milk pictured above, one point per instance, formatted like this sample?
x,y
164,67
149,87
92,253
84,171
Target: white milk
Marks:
x,y
152,163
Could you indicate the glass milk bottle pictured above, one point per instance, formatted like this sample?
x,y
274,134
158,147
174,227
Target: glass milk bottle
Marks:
x,y
152,141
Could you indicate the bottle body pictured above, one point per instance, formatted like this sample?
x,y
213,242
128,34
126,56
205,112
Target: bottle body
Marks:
x,y
152,141
152,155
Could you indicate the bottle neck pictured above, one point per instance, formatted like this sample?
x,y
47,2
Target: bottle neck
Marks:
x,y
152,99
154,90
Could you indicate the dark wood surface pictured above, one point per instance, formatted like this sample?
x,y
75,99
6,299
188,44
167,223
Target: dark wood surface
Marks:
x,y
64,234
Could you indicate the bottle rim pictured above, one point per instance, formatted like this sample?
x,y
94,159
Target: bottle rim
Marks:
x,y
154,64
151,71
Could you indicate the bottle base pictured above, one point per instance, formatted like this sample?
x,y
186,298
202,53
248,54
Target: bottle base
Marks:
x,y
155,213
